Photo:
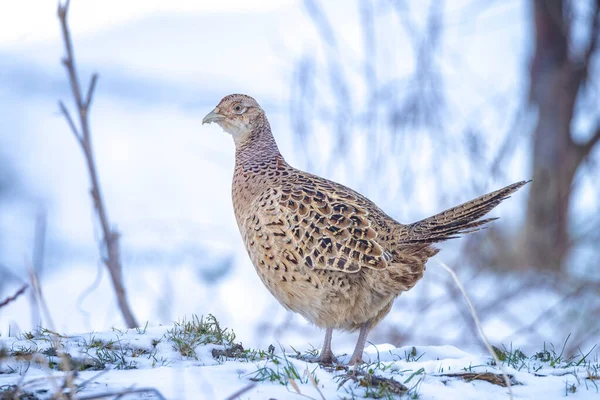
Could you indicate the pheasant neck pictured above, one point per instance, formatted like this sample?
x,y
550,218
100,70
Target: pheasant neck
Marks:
x,y
259,147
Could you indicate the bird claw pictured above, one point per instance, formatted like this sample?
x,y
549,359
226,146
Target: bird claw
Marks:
x,y
324,359
355,361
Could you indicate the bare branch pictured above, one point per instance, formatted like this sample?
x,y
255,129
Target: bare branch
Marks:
x,y
39,296
322,23
479,326
39,244
110,249
67,115
69,60
14,297
90,93
402,11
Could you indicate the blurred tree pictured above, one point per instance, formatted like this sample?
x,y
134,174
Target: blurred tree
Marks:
x,y
374,104
378,102
561,83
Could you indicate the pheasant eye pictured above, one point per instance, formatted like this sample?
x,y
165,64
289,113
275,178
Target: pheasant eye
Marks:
x,y
238,109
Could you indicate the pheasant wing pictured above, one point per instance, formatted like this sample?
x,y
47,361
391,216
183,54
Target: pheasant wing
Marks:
x,y
315,222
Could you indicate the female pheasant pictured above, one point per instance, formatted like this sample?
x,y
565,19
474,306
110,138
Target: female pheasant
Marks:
x,y
322,249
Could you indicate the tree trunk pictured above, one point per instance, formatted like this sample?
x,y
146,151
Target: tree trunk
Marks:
x,y
555,81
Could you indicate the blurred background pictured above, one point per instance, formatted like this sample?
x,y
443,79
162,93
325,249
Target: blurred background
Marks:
x,y
418,105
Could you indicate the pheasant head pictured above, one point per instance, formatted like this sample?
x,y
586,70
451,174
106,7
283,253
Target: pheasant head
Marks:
x,y
239,115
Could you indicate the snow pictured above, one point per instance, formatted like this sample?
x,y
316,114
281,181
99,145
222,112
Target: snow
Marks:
x,y
148,358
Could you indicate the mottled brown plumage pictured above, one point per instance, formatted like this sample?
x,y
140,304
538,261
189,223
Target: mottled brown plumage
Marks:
x,y
322,249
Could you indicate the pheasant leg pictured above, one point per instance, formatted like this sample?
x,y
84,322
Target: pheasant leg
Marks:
x,y
327,356
360,344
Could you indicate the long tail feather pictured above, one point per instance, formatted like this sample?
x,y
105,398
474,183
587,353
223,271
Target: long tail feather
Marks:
x,y
458,220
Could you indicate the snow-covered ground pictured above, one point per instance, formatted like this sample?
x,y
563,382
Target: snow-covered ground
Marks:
x,y
199,359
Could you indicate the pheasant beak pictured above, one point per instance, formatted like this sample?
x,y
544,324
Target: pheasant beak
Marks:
x,y
213,116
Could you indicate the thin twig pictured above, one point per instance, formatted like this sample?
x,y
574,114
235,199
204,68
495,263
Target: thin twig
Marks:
x,y
110,253
14,297
315,384
90,93
69,119
241,391
69,60
92,378
479,327
37,290
39,244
